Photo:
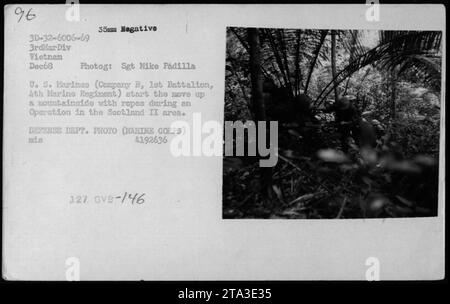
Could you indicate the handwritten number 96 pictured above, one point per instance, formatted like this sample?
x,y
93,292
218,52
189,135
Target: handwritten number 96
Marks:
x,y
28,15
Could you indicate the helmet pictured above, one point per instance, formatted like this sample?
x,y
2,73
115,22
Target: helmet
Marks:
x,y
302,102
343,103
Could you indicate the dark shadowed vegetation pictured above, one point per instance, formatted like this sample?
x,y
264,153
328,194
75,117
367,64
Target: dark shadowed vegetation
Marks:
x,y
359,121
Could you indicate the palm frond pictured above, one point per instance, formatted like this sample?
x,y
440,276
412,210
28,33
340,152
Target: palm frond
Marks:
x,y
396,48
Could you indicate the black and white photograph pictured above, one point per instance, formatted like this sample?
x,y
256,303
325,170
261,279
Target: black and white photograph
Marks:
x,y
358,115
243,145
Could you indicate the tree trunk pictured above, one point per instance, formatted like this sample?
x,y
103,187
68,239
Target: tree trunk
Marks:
x,y
298,73
258,105
393,84
333,64
255,75
352,54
